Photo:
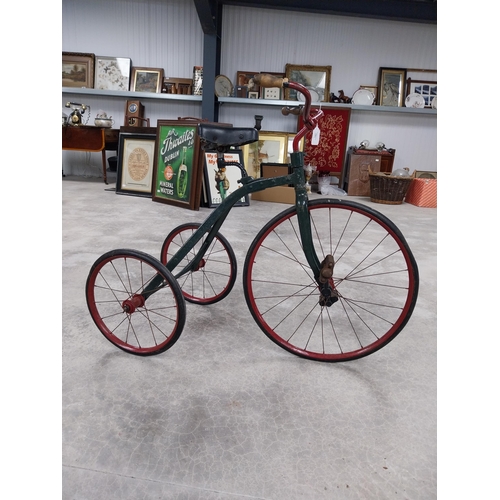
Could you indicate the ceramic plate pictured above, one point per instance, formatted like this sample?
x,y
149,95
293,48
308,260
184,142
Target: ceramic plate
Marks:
x,y
415,101
315,97
434,103
363,97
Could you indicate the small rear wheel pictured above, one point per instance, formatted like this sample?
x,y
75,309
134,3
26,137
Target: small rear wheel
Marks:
x,y
135,302
374,282
214,277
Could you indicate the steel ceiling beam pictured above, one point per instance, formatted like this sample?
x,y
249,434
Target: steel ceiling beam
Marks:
x,y
207,12
418,11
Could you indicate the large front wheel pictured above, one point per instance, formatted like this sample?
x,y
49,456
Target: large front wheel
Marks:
x,y
375,278
135,302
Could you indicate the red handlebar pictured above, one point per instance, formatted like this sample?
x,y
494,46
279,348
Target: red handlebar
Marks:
x,y
310,122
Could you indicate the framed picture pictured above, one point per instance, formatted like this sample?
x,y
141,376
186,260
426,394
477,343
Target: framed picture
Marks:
x,y
219,184
329,154
134,175
391,83
112,73
253,95
272,92
243,79
177,168
315,78
427,89
78,70
147,80
197,80
270,148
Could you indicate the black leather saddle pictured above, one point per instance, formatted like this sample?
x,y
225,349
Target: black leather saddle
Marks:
x,y
216,136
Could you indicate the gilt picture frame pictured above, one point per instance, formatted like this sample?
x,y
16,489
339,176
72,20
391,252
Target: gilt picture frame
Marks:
x,y
147,80
315,78
391,87
270,148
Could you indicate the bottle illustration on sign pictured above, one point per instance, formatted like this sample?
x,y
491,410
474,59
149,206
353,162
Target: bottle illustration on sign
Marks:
x,y
182,176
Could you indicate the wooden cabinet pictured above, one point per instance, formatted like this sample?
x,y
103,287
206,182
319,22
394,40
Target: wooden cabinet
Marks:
x,y
359,162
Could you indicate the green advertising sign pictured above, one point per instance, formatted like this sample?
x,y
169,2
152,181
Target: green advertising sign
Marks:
x,y
176,169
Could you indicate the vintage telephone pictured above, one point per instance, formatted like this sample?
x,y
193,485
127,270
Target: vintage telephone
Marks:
x,y
76,116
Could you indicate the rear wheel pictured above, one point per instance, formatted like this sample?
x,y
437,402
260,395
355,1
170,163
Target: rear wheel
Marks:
x,y
375,278
135,302
214,277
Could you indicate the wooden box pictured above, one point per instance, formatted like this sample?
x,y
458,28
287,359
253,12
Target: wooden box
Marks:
x,y
278,194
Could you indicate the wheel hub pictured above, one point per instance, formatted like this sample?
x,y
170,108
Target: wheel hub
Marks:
x,y
200,265
132,303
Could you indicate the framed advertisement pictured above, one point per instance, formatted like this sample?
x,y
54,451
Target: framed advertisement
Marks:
x,y
134,175
391,86
219,184
78,70
329,154
177,173
112,73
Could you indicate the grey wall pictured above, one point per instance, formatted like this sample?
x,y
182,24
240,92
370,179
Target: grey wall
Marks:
x,y
167,34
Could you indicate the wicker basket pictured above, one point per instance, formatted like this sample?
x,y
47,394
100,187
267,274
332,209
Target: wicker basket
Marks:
x,y
388,189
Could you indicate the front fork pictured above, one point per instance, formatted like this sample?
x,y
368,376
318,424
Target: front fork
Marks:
x,y
322,271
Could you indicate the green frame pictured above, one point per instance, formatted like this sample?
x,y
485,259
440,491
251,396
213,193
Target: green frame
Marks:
x,y
177,180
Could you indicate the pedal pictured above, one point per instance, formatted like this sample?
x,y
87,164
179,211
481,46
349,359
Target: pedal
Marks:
x,y
326,269
328,293
328,296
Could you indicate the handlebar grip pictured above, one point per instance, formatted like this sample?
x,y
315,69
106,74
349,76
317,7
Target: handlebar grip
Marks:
x,y
265,80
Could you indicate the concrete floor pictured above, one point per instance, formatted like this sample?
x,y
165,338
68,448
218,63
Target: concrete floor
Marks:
x,y
225,413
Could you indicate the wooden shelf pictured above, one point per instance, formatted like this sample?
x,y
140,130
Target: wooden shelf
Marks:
x,y
243,100
132,95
